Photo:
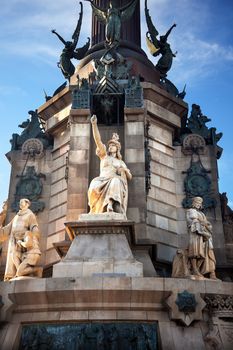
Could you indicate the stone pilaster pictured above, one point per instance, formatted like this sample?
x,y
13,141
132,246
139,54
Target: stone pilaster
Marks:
x,y
78,163
135,160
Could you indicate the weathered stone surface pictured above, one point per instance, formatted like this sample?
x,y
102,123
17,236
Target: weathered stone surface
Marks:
x,y
79,142
135,142
154,93
58,199
97,247
162,147
162,158
78,156
60,117
156,235
80,130
77,201
163,114
108,217
162,170
165,253
162,195
153,205
56,153
135,128
58,175
143,257
59,162
101,247
56,225
137,169
134,155
57,213
136,215
61,140
189,338
57,237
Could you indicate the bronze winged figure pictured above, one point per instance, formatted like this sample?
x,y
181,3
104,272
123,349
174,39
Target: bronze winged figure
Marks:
x,y
112,17
159,46
70,50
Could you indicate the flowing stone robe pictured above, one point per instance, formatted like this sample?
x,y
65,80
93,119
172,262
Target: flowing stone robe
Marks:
x,y
200,240
23,221
108,185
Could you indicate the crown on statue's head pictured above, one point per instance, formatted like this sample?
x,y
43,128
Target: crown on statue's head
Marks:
x,y
115,139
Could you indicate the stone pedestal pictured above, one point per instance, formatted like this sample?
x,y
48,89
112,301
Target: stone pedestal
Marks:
x,y
100,247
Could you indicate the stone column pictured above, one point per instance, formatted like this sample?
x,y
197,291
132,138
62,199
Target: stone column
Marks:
x,y
135,160
78,163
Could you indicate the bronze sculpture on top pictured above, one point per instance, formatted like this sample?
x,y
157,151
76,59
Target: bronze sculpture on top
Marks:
x,y
159,46
112,18
109,191
32,129
70,50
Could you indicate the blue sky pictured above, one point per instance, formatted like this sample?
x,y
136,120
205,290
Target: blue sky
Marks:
x,y
29,53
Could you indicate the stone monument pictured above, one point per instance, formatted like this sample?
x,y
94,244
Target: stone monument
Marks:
x,y
110,229
100,246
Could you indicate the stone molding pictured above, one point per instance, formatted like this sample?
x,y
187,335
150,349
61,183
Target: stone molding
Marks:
x,y
94,227
220,305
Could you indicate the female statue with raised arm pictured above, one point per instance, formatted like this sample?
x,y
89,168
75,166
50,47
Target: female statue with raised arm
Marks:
x,y
109,191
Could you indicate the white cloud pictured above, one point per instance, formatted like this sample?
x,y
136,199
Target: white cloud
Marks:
x,y
27,27
44,15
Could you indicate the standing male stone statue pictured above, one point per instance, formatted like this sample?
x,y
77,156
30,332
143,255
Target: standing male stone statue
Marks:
x,y
23,249
200,249
197,260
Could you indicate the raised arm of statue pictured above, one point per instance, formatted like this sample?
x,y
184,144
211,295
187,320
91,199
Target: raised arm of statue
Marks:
x,y
169,31
59,36
101,149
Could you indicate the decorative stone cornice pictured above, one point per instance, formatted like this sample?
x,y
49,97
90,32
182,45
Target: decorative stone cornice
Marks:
x,y
222,305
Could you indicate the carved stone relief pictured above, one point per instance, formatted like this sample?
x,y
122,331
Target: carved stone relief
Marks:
x,y
29,186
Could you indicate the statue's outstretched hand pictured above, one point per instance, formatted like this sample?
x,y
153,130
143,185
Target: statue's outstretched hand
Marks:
x,y
94,119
